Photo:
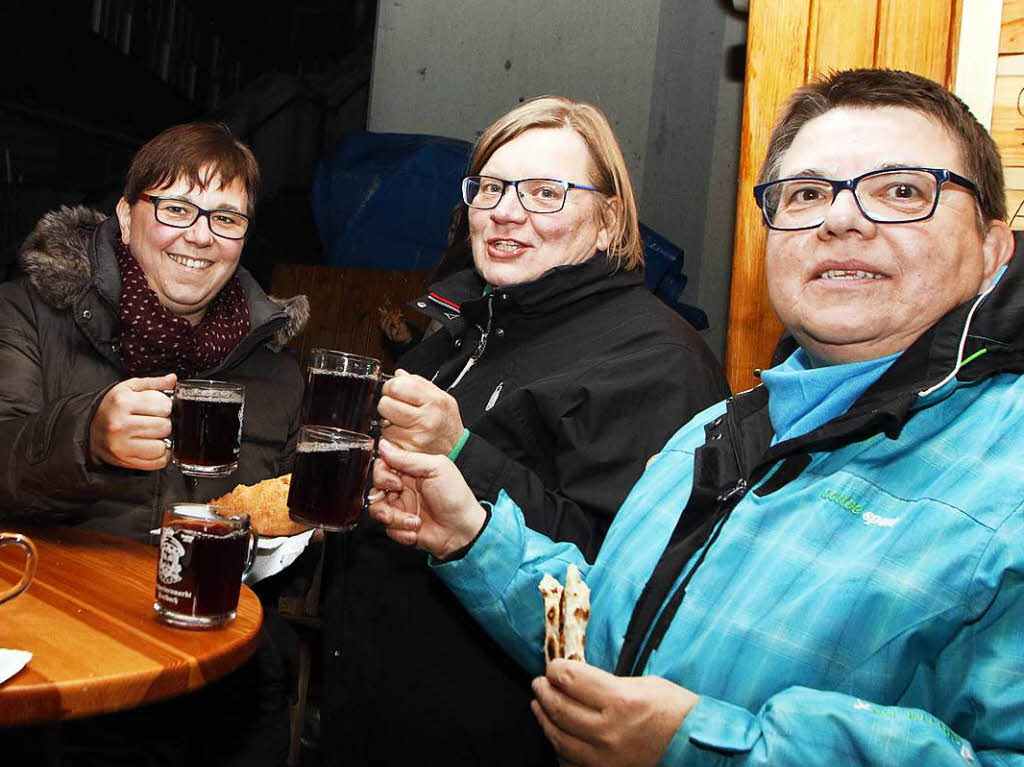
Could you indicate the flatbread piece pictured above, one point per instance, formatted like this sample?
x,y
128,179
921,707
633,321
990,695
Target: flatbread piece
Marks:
x,y
266,503
566,614
551,590
575,615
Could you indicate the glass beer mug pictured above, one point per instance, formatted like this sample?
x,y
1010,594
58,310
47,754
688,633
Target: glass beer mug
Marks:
x,y
206,427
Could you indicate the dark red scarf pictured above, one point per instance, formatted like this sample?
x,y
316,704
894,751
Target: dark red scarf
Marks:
x,y
155,341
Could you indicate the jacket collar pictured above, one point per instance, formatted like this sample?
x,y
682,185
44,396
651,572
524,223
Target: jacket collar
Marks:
x,y
462,292
71,250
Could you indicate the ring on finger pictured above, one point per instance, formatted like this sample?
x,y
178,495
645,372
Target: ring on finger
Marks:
x,y
167,442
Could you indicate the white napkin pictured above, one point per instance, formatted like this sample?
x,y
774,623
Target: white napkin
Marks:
x,y
11,662
275,554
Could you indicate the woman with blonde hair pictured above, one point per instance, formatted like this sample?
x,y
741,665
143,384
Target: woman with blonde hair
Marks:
x,y
554,375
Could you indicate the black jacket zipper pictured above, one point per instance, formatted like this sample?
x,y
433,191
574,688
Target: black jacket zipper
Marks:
x,y
481,346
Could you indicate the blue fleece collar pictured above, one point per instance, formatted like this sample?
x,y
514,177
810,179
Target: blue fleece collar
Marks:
x,y
804,396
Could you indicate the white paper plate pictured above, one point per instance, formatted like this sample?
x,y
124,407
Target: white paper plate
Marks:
x,y
275,554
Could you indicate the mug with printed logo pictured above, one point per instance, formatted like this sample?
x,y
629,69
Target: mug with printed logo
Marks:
x,y
204,552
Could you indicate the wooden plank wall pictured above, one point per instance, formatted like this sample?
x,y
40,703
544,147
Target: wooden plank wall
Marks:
x,y
1008,109
789,42
343,304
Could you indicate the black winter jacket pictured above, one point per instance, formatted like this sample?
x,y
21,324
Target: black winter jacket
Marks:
x,y
59,356
576,380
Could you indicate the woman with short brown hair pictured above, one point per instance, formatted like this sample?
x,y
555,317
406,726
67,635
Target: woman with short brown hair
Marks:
x,y
110,311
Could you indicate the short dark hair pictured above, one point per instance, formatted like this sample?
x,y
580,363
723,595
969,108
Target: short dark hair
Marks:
x,y
196,152
890,87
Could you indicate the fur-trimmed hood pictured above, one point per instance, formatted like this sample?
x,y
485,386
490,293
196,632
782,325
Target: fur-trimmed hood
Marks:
x,y
56,260
55,256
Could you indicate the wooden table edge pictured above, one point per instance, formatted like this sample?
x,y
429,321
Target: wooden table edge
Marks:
x,y
46,701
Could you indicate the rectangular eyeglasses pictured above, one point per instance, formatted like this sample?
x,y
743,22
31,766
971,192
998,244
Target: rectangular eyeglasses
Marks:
x,y
537,195
887,196
229,224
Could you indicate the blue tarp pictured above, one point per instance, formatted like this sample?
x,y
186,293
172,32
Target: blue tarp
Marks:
x,y
384,201
664,277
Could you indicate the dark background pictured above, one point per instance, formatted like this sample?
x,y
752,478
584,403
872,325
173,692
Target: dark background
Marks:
x,y
85,83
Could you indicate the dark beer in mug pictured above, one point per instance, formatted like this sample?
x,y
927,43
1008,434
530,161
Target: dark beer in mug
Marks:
x,y
329,478
202,559
206,424
341,390
342,400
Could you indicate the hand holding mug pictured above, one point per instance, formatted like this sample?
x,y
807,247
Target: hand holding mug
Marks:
x,y
427,502
422,416
131,424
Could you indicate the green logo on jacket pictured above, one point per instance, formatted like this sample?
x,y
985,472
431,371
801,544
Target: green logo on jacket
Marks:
x,y
848,503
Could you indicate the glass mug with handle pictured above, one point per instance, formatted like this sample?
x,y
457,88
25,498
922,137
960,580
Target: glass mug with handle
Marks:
x,y
206,427
330,477
204,552
341,390
29,571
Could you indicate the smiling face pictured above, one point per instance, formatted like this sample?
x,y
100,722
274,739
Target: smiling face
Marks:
x,y
853,290
511,245
186,268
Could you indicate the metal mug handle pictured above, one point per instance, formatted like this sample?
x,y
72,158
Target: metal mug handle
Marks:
x,y
169,441
372,495
31,556
250,557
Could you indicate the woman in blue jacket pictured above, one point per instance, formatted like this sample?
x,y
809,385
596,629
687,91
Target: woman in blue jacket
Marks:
x,y
825,569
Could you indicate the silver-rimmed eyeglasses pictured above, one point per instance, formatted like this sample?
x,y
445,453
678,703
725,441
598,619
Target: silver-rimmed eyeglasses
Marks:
x,y
229,224
537,195
887,196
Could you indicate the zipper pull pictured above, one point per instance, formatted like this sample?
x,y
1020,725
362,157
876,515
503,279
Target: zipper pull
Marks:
x,y
739,489
485,332
481,345
494,396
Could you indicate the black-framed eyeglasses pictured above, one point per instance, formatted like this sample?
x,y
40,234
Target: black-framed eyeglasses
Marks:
x,y
229,224
887,196
537,195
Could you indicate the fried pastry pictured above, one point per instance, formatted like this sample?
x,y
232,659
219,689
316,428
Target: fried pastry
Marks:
x,y
266,503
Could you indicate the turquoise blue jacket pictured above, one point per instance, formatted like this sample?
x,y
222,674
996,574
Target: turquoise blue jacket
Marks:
x,y
861,603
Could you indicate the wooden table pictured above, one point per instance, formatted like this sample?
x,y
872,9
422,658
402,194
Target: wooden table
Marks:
x,y
97,647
